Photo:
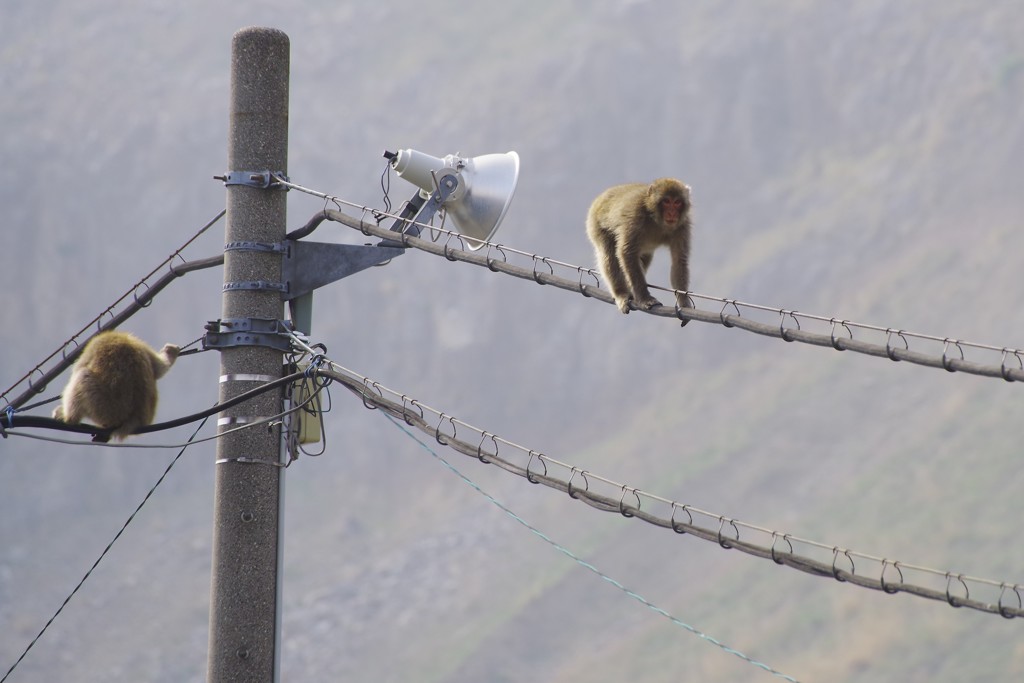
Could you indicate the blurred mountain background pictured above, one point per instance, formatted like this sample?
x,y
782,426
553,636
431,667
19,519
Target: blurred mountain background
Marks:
x,y
858,160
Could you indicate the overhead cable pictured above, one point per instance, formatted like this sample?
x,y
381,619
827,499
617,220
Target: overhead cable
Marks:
x,y
15,420
141,299
818,559
894,343
790,326
103,554
69,355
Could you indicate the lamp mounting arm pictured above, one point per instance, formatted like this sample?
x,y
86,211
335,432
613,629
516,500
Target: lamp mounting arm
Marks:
x,y
421,208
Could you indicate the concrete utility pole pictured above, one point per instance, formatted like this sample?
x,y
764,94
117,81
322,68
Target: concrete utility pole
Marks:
x,y
245,600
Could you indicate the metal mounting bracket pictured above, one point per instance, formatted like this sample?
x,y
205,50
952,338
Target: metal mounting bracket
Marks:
x,y
311,265
230,332
269,247
260,179
421,208
256,285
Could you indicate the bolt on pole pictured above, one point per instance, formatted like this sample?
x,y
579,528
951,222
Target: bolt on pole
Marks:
x,y
245,595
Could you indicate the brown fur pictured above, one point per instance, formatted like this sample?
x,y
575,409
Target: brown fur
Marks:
x,y
627,223
113,383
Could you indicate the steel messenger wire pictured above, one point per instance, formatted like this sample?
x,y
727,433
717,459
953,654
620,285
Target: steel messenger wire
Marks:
x,y
789,327
141,300
833,561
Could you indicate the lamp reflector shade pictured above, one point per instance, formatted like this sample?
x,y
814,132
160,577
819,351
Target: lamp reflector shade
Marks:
x,y
486,186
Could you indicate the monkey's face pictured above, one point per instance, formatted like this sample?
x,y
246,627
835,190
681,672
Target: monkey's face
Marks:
x,y
672,208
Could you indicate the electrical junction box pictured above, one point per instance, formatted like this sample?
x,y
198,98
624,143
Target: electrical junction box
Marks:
x,y
309,415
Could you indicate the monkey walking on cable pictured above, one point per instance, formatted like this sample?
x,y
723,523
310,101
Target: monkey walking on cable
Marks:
x,y
627,223
113,383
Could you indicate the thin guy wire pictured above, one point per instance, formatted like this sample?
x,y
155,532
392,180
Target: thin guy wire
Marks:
x,y
104,553
586,565
727,534
840,336
108,311
38,404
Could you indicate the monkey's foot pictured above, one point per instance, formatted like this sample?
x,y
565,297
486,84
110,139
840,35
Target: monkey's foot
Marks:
x,y
647,303
623,303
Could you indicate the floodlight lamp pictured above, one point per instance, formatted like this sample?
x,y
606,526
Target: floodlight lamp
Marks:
x,y
474,191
